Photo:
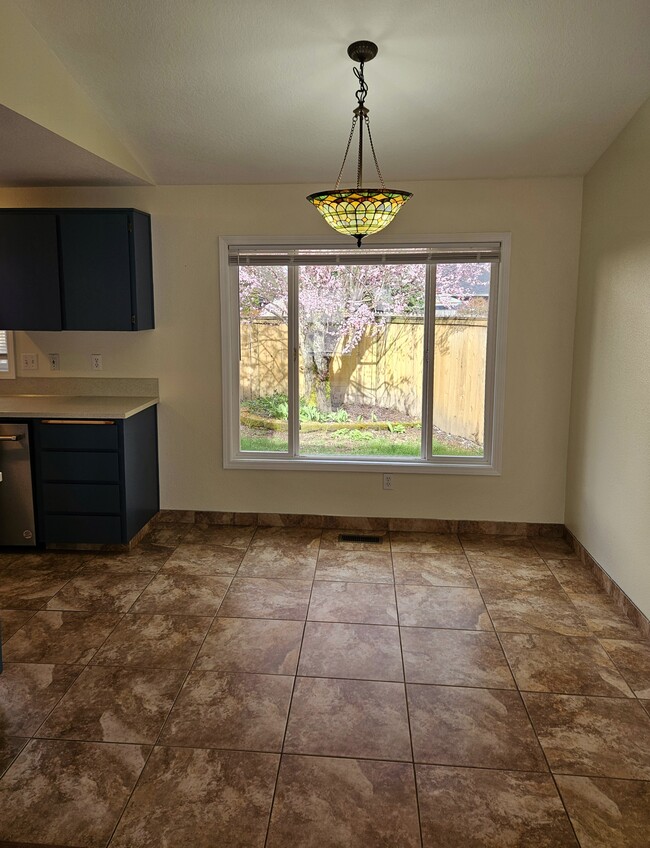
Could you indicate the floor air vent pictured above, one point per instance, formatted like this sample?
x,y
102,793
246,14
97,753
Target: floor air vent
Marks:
x,y
355,537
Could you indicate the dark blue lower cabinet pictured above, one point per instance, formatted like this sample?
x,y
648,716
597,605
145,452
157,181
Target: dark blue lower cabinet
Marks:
x,y
96,481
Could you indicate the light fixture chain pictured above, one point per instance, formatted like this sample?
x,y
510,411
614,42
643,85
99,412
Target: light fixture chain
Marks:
x,y
347,150
374,155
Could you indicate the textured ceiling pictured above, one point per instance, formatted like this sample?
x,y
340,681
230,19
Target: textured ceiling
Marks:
x,y
240,91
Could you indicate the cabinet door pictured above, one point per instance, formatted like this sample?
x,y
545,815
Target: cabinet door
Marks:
x,y
96,266
29,272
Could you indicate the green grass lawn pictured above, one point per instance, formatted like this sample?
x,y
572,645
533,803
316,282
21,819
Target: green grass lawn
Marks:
x,y
348,447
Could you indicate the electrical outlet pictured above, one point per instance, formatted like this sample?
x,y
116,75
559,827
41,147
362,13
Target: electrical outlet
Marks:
x,y
30,361
96,363
388,481
53,359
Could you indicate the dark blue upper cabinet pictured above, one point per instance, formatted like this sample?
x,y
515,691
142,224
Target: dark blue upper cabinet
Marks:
x,y
30,297
102,259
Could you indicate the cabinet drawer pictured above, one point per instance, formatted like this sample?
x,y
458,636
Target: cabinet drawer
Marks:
x,y
80,466
84,529
81,498
78,436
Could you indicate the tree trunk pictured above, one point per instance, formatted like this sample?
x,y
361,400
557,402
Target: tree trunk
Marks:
x,y
316,363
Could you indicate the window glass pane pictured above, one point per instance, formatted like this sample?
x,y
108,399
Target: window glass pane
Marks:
x,y
263,364
462,302
361,336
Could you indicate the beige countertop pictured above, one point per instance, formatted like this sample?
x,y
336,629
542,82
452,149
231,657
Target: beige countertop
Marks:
x,y
80,406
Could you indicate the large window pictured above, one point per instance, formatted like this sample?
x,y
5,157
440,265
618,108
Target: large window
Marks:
x,y
7,364
387,355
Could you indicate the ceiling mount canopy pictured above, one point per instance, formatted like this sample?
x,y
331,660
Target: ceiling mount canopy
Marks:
x,y
359,211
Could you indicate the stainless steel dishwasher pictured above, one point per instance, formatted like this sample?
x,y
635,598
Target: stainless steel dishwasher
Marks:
x,y
16,497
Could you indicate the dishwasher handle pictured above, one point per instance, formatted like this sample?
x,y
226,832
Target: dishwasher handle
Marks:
x,y
13,438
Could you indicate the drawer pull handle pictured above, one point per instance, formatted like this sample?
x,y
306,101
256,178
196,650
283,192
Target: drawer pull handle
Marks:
x,y
11,438
73,421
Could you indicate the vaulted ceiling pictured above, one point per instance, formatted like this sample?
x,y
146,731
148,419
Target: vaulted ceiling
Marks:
x,y
261,91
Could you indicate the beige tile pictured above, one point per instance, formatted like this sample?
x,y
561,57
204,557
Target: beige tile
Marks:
x,y
354,603
355,566
454,658
485,728
183,594
215,534
10,747
28,691
633,661
497,572
254,645
607,813
551,548
223,710
30,589
188,798
441,543
279,560
252,597
534,612
572,665
196,559
484,808
300,537
600,737
48,562
442,606
358,651
115,705
322,802
604,617
574,576
67,793
168,534
143,559
513,547
421,569
100,592
348,718
60,637
154,641
12,620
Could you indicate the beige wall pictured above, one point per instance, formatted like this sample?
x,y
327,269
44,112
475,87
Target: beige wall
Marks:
x,y
608,491
543,216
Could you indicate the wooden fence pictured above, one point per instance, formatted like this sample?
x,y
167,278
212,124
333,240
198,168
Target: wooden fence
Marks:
x,y
385,369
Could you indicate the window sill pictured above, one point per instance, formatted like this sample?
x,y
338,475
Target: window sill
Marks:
x,y
479,466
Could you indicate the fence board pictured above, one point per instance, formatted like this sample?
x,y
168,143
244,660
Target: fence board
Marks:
x,y
385,369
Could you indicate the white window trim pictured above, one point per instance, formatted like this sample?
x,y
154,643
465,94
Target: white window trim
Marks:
x,y
490,464
11,358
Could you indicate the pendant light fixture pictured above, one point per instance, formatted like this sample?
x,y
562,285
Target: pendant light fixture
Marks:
x,y
359,211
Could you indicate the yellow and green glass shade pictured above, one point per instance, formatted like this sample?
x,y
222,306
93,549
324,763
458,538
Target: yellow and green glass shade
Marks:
x,y
359,212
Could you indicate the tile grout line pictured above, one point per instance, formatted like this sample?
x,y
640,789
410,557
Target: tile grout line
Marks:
x,y
164,722
293,689
530,721
406,700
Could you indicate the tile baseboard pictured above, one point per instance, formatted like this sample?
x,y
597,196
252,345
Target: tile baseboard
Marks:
x,y
374,524
612,588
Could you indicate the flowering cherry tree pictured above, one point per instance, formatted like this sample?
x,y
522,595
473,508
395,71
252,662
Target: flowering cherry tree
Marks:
x,y
340,304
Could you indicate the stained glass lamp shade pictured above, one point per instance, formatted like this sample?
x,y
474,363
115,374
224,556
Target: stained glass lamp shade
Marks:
x,y
359,212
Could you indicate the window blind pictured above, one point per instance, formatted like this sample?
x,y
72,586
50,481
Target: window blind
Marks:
x,y
4,351
399,255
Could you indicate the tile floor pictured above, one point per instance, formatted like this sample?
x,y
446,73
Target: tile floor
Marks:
x,y
221,686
